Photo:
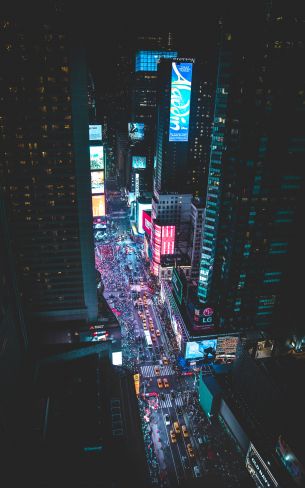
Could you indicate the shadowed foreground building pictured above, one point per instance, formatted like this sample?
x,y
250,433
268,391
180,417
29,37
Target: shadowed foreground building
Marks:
x,y
44,168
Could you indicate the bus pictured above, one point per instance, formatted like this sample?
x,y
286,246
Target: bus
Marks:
x,y
148,339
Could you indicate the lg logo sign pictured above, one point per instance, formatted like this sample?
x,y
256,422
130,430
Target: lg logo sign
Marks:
x,y
208,312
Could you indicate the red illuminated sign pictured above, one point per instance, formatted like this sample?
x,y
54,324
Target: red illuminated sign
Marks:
x,y
146,224
163,242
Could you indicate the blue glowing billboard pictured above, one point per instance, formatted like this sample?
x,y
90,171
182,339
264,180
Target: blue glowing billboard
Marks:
x,y
201,349
180,101
136,131
148,60
139,162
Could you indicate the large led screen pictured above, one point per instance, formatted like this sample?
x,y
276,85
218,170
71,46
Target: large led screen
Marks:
x,y
95,132
201,349
136,131
98,205
97,182
139,162
96,157
180,101
148,60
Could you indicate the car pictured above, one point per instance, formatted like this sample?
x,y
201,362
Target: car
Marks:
x,y
190,450
176,427
157,371
165,360
160,383
166,419
165,382
184,431
144,326
172,436
196,471
158,333
153,337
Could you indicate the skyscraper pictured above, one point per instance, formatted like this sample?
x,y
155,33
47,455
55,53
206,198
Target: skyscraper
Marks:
x,y
255,175
44,169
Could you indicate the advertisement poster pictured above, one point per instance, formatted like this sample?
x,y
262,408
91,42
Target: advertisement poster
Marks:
x,y
201,349
98,205
96,157
180,101
97,182
136,131
95,133
139,162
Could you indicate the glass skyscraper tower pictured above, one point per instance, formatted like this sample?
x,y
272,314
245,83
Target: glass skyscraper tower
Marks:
x,y
44,167
255,180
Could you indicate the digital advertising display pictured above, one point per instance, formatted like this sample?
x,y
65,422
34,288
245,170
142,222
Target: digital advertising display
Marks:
x,y
95,132
201,349
136,131
98,205
181,86
97,182
96,157
137,185
177,285
227,347
139,162
140,211
259,470
117,358
147,225
148,60
168,239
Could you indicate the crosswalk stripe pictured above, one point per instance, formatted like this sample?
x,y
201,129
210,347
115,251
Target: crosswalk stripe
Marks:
x,y
148,370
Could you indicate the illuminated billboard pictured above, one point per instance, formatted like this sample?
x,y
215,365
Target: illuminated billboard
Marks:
x,y
177,285
96,157
227,347
137,185
98,205
140,210
148,60
259,470
168,239
181,86
97,182
136,131
147,223
139,162
95,132
201,349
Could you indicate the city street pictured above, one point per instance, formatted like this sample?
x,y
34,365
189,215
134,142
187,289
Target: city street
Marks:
x,y
181,443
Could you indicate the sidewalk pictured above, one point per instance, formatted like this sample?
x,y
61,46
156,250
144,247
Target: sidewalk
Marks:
x,y
158,446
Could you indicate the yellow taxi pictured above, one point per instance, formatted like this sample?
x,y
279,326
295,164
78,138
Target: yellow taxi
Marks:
x,y
184,431
176,427
160,383
173,436
164,360
165,383
153,337
190,450
158,333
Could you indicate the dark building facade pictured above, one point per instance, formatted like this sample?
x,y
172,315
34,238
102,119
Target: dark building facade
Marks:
x,y
44,167
255,176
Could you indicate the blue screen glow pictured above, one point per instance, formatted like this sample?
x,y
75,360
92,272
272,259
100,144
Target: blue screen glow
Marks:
x,y
180,101
139,162
136,131
148,60
201,349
